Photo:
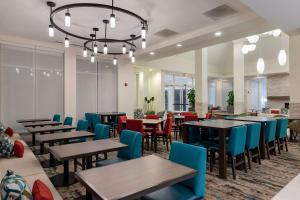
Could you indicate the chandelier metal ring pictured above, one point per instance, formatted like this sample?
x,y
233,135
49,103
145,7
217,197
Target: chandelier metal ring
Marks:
x,y
93,5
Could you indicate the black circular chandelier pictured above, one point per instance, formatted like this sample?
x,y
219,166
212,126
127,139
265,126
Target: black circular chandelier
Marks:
x,y
90,43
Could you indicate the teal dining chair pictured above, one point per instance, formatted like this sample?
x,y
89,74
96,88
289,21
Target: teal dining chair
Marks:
x,y
190,189
134,141
82,125
96,119
252,142
270,137
89,118
56,118
281,133
101,132
235,147
68,121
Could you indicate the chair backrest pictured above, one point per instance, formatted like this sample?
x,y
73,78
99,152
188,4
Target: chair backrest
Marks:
x,y
89,118
68,121
56,118
270,131
253,135
186,113
152,117
134,141
101,131
208,116
95,120
237,140
168,126
135,125
196,159
82,125
188,118
120,123
281,127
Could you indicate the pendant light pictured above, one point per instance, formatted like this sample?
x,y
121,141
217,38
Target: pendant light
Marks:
x,y
92,58
94,37
84,52
130,53
95,48
133,59
112,19
67,42
115,61
143,43
105,48
282,57
124,49
253,39
67,19
260,66
245,49
143,32
276,32
51,31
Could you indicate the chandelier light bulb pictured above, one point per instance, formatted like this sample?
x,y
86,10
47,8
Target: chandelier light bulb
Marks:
x,y
124,49
253,39
67,19
282,57
51,31
251,47
143,32
115,61
92,58
143,43
84,53
260,66
112,21
133,59
67,42
105,49
95,48
130,53
276,32
245,49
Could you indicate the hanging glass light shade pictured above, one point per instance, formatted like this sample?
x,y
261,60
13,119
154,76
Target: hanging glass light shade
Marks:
x,y
260,66
282,57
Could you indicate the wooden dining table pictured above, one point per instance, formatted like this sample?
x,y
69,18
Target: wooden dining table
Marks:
x,y
41,123
263,121
223,127
86,150
105,115
133,178
47,129
33,120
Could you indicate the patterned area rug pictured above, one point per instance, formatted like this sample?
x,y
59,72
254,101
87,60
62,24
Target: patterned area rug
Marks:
x,y
262,182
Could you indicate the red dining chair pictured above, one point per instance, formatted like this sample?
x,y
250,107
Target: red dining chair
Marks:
x,y
189,118
137,125
152,117
121,120
208,116
165,134
186,113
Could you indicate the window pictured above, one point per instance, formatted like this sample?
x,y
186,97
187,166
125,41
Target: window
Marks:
x,y
212,92
31,83
176,89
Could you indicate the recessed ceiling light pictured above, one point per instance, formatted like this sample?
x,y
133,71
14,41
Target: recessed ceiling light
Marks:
x,y
218,33
152,53
179,45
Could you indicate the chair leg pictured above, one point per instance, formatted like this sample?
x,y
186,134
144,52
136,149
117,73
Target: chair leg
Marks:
x,y
268,150
233,163
274,143
211,160
75,165
244,162
143,140
249,156
258,156
278,145
285,142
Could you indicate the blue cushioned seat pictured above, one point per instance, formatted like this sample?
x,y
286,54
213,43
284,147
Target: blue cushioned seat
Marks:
x,y
101,131
56,118
68,121
134,141
190,189
281,133
82,125
89,118
252,142
270,136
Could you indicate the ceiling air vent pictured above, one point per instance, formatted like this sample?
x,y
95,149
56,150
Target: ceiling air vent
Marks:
x,y
166,33
220,12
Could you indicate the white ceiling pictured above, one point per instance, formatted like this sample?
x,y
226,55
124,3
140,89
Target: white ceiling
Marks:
x,y
30,19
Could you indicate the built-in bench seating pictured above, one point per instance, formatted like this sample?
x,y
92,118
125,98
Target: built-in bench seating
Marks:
x,y
28,167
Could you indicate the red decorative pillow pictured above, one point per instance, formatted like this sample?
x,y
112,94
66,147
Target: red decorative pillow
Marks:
x,y
18,149
9,131
40,191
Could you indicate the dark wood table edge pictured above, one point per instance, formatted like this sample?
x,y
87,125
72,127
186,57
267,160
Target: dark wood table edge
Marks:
x,y
32,120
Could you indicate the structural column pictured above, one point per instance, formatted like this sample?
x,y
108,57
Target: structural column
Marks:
x,y
201,87
238,78
70,83
294,46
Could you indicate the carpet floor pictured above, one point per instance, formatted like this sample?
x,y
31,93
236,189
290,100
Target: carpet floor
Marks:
x,y
260,183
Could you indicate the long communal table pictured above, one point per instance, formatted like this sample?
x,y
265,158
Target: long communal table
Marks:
x,y
133,179
33,120
41,123
223,127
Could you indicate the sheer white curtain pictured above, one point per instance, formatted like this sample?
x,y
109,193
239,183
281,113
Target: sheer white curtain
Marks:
x,y
25,91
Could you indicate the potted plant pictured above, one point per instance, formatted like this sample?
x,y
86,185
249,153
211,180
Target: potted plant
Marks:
x,y
191,98
230,102
149,105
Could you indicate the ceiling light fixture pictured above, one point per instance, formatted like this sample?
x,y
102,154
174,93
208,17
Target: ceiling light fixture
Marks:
x,y
282,57
260,66
124,49
115,61
245,49
179,45
276,32
67,42
218,33
84,53
152,53
133,59
92,58
251,47
143,43
92,44
253,39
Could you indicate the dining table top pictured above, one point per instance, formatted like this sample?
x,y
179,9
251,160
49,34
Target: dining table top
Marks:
x,y
41,123
111,113
49,128
84,149
217,123
33,120
254,118
53,137
151,121
134,178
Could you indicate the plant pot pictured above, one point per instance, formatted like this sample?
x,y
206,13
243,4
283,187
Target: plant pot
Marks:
x,y
230,109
